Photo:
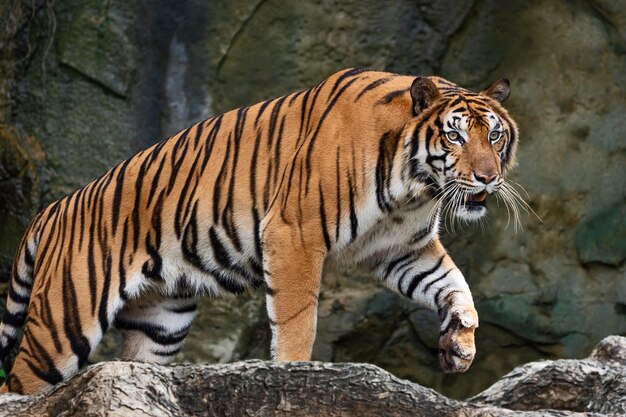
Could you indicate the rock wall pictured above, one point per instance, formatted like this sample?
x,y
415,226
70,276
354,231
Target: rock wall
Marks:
x,y
90,82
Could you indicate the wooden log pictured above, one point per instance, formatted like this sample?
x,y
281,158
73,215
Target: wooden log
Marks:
x,y
260,388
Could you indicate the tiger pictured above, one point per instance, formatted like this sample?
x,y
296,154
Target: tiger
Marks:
x,y
356,172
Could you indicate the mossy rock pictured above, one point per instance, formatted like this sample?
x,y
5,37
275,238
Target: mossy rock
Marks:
x,y
20,190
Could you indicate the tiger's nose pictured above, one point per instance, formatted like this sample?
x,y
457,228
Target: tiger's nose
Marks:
x,y
486,177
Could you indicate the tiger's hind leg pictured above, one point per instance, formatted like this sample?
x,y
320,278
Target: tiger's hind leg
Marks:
x,y
155,327
60,334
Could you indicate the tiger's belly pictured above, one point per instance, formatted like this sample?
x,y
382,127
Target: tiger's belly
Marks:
x,y
215,265
209,264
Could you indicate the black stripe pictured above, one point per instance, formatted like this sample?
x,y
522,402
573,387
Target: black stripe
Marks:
x,y
460,99
228,215
210,142
413,152
44,246
277,148
62,231
156,333
74,221
257,233
152,267
121,271
155,182
16,320
427,286
384,167
221,254
391,265
405,265
323,219
29,257
91,262
183,197
227,282
512,137
103,309
442,310
223,259
317,130
257,268
372,86
139,181
199,131
218,183
261,110
72,323
317,89
190,242
15,384
338,197
420,234
446,82
419,277
183,309
266,185
46,316
294,96
389,97
51,375
347,74
253,166
303,113
354,221
439,291
117,196
177,161
16,297
449,167
273,120
404,274
428,137
165,353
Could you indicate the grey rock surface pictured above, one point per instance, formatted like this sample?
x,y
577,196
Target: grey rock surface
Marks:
x,y
93,81
21,161
594,384
257,388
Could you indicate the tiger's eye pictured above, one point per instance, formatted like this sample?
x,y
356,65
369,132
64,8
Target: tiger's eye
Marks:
x,y
494,135
453,135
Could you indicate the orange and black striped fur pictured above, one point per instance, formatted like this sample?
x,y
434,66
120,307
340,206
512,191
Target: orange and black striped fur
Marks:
x,y
353,172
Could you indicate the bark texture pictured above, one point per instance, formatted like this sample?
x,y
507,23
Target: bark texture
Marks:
x,y
592,386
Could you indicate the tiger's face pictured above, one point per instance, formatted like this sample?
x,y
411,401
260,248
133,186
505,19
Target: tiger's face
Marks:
x,y
465,143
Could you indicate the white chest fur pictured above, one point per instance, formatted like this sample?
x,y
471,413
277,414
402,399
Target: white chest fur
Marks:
x,y
408,226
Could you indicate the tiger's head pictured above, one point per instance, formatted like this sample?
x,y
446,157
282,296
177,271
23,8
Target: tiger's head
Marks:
x,y
463,144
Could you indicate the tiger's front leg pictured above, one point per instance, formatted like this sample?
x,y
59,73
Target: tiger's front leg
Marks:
x,y
429,276
293,268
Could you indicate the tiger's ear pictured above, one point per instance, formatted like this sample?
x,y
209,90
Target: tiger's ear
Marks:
x,y
499,90
423,92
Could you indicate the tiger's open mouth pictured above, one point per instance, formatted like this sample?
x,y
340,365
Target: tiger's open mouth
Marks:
x,y
475,200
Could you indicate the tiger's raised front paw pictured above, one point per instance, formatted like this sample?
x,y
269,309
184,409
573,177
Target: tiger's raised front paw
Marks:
x,y
456,340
